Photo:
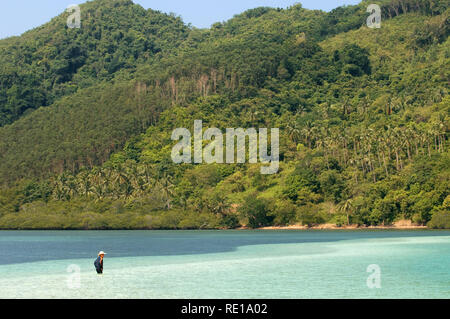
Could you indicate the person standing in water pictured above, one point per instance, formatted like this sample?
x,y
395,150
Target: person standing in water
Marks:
x,y
98,263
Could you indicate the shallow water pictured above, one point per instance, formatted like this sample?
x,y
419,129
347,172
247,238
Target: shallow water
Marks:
x,y
225,264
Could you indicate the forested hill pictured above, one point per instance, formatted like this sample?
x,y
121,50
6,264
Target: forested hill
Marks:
x,y
53,61
363,115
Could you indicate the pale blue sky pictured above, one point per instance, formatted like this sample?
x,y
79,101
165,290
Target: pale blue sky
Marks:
x,y
18,16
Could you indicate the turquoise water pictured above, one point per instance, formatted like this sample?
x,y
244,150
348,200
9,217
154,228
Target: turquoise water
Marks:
x,y
225,264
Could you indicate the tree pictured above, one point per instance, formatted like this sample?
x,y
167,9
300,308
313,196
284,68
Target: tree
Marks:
x,y
256,210
346,207
166,186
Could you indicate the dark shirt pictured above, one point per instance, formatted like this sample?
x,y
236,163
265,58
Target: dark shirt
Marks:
x,y
98,263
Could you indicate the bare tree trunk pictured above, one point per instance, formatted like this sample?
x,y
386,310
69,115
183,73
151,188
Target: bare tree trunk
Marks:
x,y
397,160
385,166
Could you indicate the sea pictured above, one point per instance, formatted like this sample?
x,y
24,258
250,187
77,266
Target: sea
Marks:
x,y
226,264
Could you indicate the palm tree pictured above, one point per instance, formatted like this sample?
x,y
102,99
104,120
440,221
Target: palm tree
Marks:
x,y
293,131
347,208
308,132
166,185
72,186
84,181
123,182
219,204
382,148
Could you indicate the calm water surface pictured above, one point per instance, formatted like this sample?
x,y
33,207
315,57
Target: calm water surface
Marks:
x,y
224,264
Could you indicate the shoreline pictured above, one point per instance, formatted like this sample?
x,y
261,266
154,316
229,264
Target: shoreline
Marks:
x,y
291,227
398,225
335,227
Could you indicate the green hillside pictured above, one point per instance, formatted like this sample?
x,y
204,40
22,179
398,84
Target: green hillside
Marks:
x,y
52,61
363,117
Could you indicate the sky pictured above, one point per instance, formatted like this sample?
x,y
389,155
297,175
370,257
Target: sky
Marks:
x,y
18,16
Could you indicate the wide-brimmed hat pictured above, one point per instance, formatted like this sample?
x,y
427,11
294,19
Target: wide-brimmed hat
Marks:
x,y
101,253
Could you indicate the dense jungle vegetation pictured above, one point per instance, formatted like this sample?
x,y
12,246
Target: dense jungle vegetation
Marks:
x,y
86,117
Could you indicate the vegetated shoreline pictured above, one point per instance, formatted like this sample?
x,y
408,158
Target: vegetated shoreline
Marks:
x,y
400,225
335,227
